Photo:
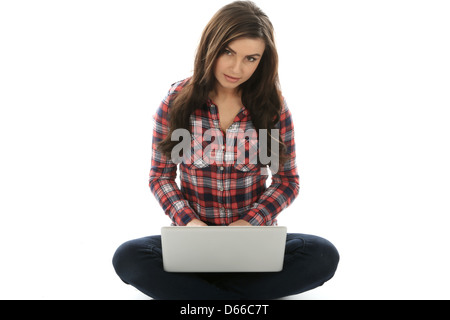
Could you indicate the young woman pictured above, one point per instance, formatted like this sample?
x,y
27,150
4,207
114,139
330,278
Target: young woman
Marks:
x,y
232,101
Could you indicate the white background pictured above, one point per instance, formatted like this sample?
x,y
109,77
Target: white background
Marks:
x,y
368,86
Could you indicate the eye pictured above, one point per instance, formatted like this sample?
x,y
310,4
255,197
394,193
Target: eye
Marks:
x,y
227,52
252,59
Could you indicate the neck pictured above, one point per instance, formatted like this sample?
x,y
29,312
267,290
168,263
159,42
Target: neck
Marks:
x,y
224,93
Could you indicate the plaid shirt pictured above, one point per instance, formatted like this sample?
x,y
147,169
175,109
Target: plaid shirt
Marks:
x,y
222,191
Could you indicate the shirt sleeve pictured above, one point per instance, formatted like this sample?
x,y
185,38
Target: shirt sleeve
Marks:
x,y
164,171
285,184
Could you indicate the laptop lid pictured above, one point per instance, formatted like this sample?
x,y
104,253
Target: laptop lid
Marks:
x,y
223,249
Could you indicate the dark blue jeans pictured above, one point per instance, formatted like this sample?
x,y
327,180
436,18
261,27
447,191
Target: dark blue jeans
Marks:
x,y
309,262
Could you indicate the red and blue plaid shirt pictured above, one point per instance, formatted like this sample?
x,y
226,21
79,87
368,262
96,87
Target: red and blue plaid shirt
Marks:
x,y
222,191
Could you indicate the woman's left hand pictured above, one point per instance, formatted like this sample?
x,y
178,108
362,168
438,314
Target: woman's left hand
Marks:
x,y
240,223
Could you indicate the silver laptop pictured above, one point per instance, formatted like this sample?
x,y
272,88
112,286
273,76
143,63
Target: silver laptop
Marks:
x,y
223,249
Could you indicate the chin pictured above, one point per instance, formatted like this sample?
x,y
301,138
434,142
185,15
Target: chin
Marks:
x,y
228,85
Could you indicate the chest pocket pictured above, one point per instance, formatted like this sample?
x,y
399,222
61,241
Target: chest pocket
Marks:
x,y
248,169
198,164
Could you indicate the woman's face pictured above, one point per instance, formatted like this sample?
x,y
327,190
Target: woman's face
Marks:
x,y
238,62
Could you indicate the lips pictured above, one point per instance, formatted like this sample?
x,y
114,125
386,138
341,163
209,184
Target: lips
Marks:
x,y
231,79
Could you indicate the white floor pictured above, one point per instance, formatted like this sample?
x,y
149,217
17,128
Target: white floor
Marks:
x,y
72,260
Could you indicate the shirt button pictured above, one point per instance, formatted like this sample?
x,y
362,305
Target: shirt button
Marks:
x,y
221,168
220,188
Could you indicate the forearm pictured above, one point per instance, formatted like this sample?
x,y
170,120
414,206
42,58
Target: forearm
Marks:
x,y
171,200
277,197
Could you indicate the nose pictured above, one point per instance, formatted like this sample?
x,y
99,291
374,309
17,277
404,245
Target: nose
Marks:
x,y
236,67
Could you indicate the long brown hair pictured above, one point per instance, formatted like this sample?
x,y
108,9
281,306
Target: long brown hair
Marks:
x,y
260,94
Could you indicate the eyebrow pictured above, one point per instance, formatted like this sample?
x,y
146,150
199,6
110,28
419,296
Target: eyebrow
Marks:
x,y
250,55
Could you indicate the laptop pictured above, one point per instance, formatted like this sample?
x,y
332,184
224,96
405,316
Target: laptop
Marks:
x,y
223,249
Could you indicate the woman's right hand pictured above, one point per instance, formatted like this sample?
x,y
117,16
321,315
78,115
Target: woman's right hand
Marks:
x,y
196,223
